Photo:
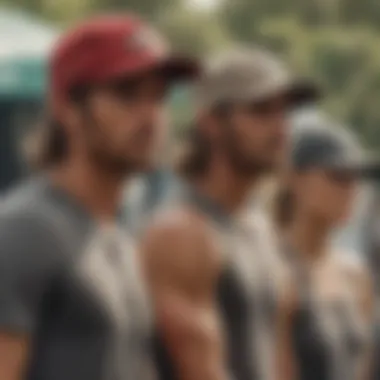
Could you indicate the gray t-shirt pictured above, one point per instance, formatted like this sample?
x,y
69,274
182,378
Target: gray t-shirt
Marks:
x,y
74,287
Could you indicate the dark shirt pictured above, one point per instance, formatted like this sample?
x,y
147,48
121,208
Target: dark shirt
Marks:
x,y
73,286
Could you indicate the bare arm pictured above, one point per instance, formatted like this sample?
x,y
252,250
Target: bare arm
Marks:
x,y
182,267
13,356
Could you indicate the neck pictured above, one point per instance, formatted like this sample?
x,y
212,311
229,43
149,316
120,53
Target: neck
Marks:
x,y
97,189
309,237
225,187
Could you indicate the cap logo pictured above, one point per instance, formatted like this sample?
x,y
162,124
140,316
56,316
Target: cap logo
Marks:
x,y
148,40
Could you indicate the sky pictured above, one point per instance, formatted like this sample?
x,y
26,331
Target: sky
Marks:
x,y
205,4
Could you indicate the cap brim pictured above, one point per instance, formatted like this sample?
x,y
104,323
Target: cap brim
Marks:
x,y
180,68
368,169
297,93
173,68
303,91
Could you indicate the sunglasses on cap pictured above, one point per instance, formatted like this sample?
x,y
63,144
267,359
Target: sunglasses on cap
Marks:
x,y
342,177
337,175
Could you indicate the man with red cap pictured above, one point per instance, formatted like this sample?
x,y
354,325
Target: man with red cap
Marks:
x,y
72,304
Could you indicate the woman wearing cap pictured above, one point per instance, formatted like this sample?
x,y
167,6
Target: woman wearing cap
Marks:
x,y
331,323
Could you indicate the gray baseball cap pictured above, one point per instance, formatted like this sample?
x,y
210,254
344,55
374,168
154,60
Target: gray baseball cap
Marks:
x,y
248,75
331,147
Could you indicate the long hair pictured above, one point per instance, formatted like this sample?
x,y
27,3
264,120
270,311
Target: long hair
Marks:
x,y
196,152
48,144
284,207
194,157
284,201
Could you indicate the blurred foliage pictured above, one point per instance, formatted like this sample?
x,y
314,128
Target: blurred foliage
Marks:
x,y
344,60
194,31
335,41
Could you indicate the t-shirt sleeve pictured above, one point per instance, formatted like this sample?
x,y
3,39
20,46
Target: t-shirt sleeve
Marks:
x,y
27,267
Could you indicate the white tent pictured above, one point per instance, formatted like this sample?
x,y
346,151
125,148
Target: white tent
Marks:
x,y
22,35
24,46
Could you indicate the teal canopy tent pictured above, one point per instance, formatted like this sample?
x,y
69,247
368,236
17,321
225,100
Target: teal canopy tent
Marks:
x,y
24,47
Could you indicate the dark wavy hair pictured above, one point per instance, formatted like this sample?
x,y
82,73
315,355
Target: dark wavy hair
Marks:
x,y
50,141
194,160
197,145
284,205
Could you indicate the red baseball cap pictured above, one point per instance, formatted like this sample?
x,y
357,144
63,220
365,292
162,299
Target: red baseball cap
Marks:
x,y
110,47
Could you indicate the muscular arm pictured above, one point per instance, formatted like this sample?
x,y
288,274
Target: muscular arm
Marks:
x,y
13,355
182,266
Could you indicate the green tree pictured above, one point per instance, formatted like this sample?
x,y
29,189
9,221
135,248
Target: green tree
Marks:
x,y
192,31
147,8
344,60
69,10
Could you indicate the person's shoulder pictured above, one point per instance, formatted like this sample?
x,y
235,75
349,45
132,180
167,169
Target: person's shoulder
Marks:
x,y
357,274
181,235
180,224
25,214
25,196
352,264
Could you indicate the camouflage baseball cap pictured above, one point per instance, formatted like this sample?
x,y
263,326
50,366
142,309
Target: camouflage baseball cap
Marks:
x,y
249,74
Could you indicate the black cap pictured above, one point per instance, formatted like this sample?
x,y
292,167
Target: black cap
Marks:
x,y
333,148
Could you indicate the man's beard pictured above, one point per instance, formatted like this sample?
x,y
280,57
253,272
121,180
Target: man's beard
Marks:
x,y
243,164
114,165
102,156
248,166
